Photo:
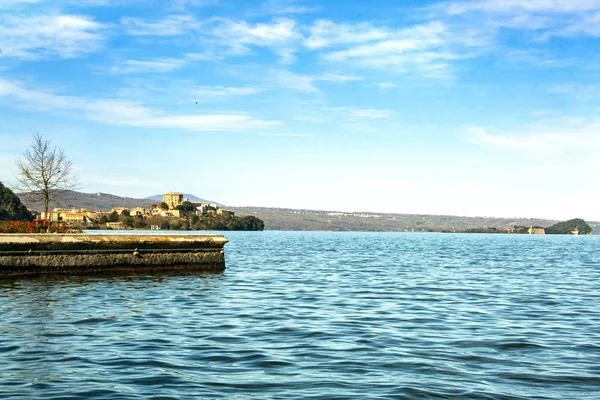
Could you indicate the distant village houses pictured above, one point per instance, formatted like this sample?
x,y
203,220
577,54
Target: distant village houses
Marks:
x,y
173,205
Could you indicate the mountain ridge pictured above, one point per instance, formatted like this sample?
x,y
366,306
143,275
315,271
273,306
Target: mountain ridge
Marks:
x,y
315,220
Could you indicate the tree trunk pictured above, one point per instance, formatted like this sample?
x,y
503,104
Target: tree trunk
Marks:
x,y
46,205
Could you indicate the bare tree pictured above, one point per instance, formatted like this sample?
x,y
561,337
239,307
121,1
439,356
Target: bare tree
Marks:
x,y
45,174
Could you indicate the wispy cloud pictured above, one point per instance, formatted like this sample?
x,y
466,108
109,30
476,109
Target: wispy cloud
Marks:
x,y
119,112
582,91
370,113
184,4
339,78
550,17
7,4
279,7
291,80
43,36
287,134
579,137
325,33
519,6
172,25
362,113
281,34
536,58
426,49
161,65
204,92
158,65
386,85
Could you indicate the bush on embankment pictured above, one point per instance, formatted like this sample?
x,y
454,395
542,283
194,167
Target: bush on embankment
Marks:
x,y
41,226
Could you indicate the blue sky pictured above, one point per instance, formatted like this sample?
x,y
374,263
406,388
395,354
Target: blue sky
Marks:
x,y
477,108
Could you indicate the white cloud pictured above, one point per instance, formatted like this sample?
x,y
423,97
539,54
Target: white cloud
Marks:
x,y
5,4
426,49
588,25
536,57
362,113
521,6
280,31
299,82
221,91
580,91
576,137
386,85
119,112
280,7
183,4
325,33
172,25
371,113
287,134
339,78
63,35
159,65
281,35
553,17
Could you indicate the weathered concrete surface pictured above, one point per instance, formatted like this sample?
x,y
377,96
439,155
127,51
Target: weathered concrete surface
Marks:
x,y
38,254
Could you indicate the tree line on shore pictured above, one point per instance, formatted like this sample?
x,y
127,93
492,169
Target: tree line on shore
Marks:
x,y
190,222
569,227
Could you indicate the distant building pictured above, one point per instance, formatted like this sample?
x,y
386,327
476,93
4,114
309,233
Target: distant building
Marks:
x,y
137,211
225,213
72,217
174,213
536,231
115,225
203,208
68,216
173,199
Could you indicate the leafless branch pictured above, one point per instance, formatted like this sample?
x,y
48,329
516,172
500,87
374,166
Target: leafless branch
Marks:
x,y
44,173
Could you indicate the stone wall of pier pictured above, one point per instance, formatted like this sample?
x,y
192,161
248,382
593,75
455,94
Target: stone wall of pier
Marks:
x,y
41,254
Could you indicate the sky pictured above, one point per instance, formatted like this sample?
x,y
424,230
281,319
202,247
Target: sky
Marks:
x,y
471,108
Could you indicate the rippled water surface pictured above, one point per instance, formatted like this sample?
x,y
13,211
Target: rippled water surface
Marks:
x,y
319,316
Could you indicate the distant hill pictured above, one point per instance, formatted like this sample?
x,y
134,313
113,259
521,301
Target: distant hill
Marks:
x,y
315,220
567,227
191,197
102,201
92,201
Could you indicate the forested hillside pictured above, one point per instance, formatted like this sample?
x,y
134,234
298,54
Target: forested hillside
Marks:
x,y
11,207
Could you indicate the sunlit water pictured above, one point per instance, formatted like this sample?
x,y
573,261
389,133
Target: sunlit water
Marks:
x,y
319,316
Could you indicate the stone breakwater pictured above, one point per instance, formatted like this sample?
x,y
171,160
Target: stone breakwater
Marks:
x,y
40,254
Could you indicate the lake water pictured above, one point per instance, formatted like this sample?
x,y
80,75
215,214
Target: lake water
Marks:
x,y
319,315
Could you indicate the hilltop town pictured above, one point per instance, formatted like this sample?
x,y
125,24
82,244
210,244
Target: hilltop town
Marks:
x,y
173,212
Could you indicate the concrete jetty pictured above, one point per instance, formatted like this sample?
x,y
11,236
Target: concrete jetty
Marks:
x,y
41,254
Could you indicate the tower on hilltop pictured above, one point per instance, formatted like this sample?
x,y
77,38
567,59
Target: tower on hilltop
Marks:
x,y
173,199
